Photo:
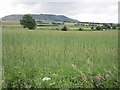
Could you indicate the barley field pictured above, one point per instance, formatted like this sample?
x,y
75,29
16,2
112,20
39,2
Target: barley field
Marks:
x,y
59,59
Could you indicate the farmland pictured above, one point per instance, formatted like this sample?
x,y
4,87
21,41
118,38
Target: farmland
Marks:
x,y
58,59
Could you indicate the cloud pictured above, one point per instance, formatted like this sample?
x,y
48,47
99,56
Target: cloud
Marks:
x,y
83,10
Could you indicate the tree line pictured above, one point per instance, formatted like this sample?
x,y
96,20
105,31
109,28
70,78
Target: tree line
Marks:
x,y
27,21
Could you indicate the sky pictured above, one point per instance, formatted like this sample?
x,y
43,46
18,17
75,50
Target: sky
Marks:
x,y
103,11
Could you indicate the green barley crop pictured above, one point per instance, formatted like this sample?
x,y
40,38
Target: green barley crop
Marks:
x,y
58,59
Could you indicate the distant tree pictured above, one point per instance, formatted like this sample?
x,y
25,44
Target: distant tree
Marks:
x,y
118,25
80,29
98,28
107,26
114,27
57,28
28,22
64,28
104,28
92,28
119,28
111,24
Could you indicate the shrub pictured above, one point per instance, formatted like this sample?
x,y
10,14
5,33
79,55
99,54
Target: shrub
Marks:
x,y
108,27
80,29
64,28
104,28
118,28
57,28
92,28
114,27
98,28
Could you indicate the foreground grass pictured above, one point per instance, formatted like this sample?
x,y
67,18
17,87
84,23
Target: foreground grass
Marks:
x,y
0,57
67,59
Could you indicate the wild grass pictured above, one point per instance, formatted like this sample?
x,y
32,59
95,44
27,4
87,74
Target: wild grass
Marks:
x,y
72,59
0,57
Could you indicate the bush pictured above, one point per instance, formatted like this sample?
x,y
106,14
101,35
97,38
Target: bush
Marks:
x,y
80,29
118,25
92,28
64,28
57,28
118,28
104,28
114,27
98,28
108,27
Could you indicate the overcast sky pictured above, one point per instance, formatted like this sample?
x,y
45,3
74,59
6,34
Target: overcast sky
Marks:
x,y
82,10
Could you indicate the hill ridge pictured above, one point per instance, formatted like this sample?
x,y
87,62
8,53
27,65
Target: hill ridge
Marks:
x,y
51,17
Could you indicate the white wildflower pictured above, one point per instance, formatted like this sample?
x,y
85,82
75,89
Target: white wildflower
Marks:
x,y
46,79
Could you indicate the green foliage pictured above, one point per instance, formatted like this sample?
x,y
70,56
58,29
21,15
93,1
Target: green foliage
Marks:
x,y
28,22
92,28
118,25
101,28
65,57
64,28
104,27
80,29
98,28
107,26
114,27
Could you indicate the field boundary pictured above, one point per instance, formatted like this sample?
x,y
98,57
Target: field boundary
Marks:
x,y
0,53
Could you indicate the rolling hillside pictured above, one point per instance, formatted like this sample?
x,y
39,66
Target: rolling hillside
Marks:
x,y
50,17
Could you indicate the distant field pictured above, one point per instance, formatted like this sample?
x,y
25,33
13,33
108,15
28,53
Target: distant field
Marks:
x,y
71,26
69,59
10,22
